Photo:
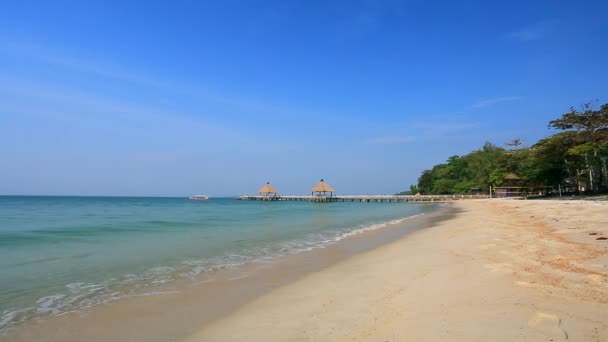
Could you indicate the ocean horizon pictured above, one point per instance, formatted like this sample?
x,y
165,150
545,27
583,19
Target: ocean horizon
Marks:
x,y
65,253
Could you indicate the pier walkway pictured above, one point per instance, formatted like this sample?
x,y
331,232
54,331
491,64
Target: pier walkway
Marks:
x,y
364,198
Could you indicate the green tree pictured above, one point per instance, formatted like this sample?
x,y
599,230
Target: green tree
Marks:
x,y
576,155
586,134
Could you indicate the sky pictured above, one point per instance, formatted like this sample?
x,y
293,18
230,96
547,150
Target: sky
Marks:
x,y
176,98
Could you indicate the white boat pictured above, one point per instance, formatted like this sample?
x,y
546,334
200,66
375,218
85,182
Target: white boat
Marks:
x,y
199,197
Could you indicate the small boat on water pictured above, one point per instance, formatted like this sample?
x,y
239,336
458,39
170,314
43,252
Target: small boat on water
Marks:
x,y
199,197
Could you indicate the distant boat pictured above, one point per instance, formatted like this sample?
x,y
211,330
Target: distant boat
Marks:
x,y
199,197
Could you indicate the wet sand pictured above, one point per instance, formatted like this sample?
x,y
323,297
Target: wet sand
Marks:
x,y
499,270
178,310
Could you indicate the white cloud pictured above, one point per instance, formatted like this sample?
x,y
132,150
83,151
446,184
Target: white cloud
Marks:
x,y
495,100
532,32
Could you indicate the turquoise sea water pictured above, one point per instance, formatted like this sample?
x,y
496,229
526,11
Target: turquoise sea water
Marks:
x,y
59,254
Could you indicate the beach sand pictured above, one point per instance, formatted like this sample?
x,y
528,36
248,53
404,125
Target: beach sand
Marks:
x,y
481,270
499,270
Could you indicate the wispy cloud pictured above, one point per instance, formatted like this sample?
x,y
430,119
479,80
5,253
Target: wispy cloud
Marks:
x,y
129,76
424,131
52,56
391,139
90,113
532,32
70,103
446,127
494,101
233,105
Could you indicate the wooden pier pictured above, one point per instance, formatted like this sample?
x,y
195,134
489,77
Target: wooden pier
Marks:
x,y
364,198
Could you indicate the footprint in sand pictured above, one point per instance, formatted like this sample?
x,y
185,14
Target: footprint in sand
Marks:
x,y
548,324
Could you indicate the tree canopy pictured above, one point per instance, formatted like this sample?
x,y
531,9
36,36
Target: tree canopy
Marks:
x,y
575,157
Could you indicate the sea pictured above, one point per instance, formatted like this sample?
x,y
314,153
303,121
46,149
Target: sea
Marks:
x,y
63,254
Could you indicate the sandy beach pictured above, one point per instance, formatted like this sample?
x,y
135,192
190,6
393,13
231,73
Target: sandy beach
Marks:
x,y
498,271
478,270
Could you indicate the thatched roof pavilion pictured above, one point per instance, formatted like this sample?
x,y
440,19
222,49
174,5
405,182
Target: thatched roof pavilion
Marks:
x,y
267,189
512,179
322,188
512,176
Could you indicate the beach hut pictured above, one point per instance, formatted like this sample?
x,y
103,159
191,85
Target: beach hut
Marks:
x,y
268,190
512,179
511,186
322,188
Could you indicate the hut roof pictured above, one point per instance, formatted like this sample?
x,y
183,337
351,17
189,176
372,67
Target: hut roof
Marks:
x,y
268,189
512,176
321,187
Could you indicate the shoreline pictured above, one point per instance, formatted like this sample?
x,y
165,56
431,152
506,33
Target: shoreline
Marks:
x,y
477,270
496,271
177,310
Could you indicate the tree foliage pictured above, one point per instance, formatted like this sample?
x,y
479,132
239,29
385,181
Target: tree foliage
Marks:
x,y
575,157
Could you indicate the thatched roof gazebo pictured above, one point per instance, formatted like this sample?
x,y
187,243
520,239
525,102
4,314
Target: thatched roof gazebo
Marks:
x,y
512,179
513,186
512,176
322,188
268,190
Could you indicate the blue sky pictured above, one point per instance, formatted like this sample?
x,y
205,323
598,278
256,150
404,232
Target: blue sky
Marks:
x,y
218,97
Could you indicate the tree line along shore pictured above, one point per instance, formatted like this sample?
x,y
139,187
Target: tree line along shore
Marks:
x,y
573,159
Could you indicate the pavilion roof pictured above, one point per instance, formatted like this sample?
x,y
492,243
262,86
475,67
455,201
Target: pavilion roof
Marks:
x,y
322,187
267,189
512,176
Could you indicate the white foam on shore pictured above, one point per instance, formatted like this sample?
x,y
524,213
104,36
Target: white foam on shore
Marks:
x,y
50,304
